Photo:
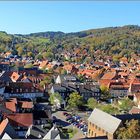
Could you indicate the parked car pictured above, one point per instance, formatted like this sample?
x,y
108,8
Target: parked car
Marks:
x,y
65,113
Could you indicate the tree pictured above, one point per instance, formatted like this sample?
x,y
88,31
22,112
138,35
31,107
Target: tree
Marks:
x,y
30,65
30,54
46,81
75,100
126,104
130,131
105,92
20,51
55,99
92,103
47,55
81,78
108,108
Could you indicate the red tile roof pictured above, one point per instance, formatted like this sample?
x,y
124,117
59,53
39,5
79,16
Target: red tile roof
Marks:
x,y
11,106
21,119
134,110
109,75
43,64
26,104
15,76
3,125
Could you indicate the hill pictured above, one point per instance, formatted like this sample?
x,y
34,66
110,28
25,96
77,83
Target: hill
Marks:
x,y
112,41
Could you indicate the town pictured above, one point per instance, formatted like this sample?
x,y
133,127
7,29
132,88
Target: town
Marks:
x,y
55,99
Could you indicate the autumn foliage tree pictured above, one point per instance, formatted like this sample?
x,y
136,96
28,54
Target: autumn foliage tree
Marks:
x,y
131,130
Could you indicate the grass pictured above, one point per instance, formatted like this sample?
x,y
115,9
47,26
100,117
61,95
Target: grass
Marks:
x,y
71,132
68,133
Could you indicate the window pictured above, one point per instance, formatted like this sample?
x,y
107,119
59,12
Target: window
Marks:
x,y
89,131
96,127
92,133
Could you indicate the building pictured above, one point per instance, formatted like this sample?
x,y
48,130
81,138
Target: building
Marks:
x,y
102,125
23,90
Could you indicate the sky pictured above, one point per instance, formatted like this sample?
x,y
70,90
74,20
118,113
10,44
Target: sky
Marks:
x,y
24,17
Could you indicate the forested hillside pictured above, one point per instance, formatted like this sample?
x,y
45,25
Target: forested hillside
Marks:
x,y
113,41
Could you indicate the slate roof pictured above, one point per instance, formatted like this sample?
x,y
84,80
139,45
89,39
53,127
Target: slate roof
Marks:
x,y
58,88
128,117
104,120
52,134
36,131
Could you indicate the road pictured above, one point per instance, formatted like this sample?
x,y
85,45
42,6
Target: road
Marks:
x,y
62,118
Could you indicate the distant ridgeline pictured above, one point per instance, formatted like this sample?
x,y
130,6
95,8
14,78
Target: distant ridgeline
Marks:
x,y
82,46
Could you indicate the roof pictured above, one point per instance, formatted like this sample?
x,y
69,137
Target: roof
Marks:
x,y
109,75
21,87
52,134
3,125
104,120
6,137
15,76
21,119
134,110
43,64
35,131
26,104
11,106
58,88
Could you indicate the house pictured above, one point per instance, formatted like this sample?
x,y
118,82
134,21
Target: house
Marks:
x,y
5,76
35,132
15,76
53,134
134,85
11,106
6,130
134,110
101,124
65,78
136,99
43,64
70,68
20,122
23,90
118,88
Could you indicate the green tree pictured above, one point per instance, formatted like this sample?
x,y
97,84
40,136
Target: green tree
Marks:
x,y
53,98
108,108
81,78
47,55
126,104
130,131
30,65
105,92
75,100
92,103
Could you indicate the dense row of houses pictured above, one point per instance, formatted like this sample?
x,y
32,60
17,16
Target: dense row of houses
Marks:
x,y
23,117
